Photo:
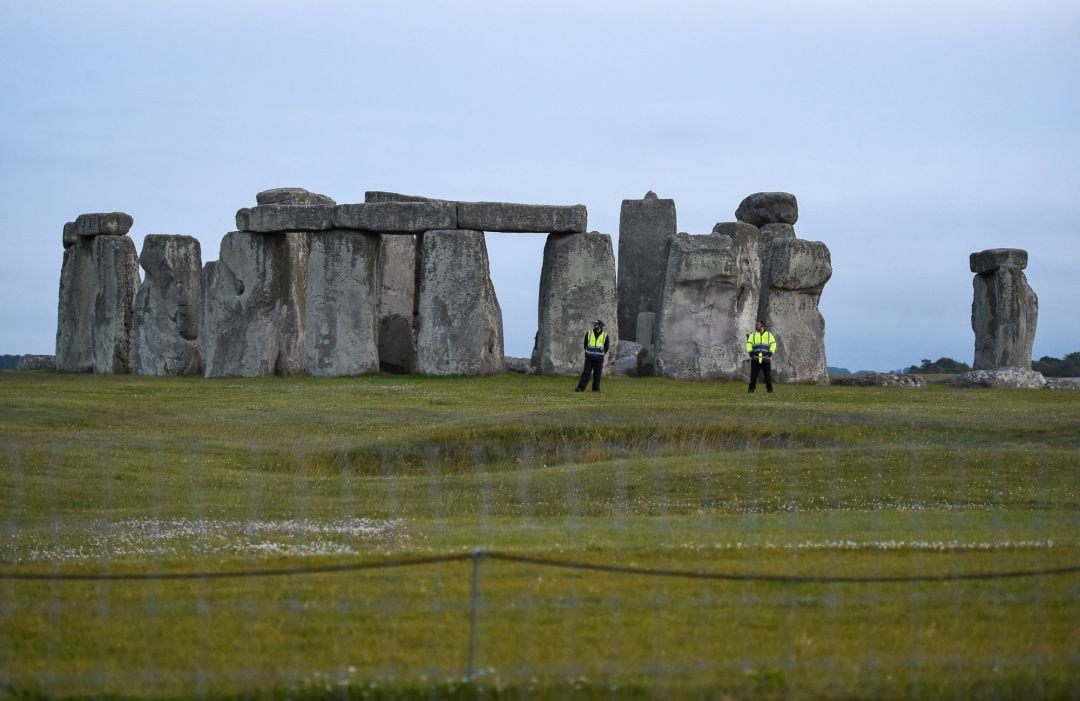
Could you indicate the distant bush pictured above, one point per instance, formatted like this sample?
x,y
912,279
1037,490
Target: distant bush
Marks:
x,y
1069,366
8,362
938,367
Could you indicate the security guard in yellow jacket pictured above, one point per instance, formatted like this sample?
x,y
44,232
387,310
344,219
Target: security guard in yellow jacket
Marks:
x,y
760,345
596,347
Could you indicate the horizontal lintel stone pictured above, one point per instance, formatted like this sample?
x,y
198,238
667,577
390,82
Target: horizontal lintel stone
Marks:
x,y
396,217
270,218
522,218
995,258
103,223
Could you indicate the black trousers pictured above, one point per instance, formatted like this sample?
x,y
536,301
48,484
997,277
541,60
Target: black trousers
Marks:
x,y
765,368
594,365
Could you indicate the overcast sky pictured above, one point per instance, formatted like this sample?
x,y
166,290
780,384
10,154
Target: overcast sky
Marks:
x,y
913,133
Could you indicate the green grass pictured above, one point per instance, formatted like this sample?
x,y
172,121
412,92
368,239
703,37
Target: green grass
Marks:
x,y
134,475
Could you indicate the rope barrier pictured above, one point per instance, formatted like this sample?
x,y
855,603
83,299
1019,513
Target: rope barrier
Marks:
x,y
542,562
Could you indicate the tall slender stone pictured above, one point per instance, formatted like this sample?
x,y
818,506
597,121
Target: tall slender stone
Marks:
x,y
644,228
459,320
168,307
795,275
116,269
708,298
74,314
1004,309
341,320
254,311
577,286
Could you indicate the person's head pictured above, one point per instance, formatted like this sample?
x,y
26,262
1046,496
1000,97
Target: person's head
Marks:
x,y
598,326
759,325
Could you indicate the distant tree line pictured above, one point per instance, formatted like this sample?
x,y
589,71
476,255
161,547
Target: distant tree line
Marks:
x,y
8,362
941,366
1069,366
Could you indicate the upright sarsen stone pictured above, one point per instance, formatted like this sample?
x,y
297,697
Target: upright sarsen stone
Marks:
x,y
254,305
644,228
1004,309
341,323
74,314
577,286
459,319
168,307
116,269
795,275
708,298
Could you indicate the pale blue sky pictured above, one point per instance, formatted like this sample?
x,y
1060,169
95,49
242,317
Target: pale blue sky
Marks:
x,y
913,133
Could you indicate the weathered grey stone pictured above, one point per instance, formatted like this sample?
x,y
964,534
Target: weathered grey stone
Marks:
x,y
74,315
36,362
777,231
708,299
514,218
794,277
627,359
341,322
1060,382
880,379
993,258
243,218
763,208
103,223
1007,377
168,307
396,217
70,237
735,228
1004,315
282,218
375,196
291,195
522,366
577,286
116,271
459,320
646,324
644,228
254,305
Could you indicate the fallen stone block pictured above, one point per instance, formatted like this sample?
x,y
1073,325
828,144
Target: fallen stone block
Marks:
x,y
521,218
1005,377
880,379
36,362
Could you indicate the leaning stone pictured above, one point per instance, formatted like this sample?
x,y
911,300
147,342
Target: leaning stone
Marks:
x,y
577,286
519,218
74,315
253,313
70,237
36,362
459,321
108,224
794,278
277,218
291,195
116,269
708,300
168,307
763,208
1058,382
1004,315
1005,377
994,258
396,217
341,323
880,379
644,228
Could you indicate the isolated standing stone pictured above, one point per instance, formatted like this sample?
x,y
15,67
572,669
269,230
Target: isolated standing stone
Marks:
x,y
763,208
644,228
1004,309
254,309
459,322
341,322
577,286
795,275
116,270
708,299
168,307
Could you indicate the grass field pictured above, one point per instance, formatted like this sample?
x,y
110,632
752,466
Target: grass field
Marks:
x,y
118,476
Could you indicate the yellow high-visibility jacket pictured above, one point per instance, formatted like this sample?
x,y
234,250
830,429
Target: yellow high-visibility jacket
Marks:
x,y
761,343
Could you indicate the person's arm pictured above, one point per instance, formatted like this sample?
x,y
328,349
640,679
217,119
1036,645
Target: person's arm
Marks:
x,y
750,344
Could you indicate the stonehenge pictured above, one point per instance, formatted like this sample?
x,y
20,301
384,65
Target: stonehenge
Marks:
x,y
401,283
1004,309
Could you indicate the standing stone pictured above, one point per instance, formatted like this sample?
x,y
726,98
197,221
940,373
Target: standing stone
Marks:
x,y
795,275
254,305
459,320
763,208
168,307
577,286
116,270
74,314
708,299
340,323
644,228
1004,309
